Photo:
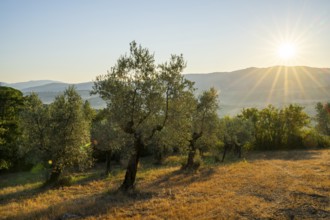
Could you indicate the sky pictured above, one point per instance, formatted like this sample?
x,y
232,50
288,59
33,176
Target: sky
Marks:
x,y
76,40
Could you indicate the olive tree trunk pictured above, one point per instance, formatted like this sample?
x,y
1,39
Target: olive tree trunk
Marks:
x,y
132,166
55,175
192,152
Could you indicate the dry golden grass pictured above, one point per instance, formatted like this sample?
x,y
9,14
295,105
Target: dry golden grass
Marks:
x,y
265,185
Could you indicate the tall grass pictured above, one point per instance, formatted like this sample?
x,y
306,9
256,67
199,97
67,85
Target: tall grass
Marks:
x,y
264,185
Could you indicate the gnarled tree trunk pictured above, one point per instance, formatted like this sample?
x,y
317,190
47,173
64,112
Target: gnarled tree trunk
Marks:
x,y
55,175
191,157
192,151
232,146
132,165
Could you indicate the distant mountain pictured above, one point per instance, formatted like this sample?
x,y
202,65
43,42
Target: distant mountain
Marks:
x,y
48,92
258,87
57,87
276,78
23,85
251,87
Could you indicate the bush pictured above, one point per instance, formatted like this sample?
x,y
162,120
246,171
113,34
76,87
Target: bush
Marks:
x,y
38,168
324,141
4,165
310,139
216,151
313,139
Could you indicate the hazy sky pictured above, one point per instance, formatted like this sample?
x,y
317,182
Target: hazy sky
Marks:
x,y
74,41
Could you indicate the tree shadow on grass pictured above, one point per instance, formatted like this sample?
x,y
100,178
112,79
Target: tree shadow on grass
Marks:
x,y
89,178
37,188
305,206
20,185
93,205
183,177
22,194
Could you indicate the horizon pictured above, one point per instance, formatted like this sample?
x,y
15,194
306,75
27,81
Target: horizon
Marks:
x,y
269,67
76,41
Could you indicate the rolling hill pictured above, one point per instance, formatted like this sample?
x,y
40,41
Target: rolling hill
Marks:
x,y
251,87
28,84
258,87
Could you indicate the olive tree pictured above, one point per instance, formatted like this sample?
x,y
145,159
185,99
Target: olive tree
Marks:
x,y
323,118
140,96
204,117
11,104
35,121
70,122
108,137
237,133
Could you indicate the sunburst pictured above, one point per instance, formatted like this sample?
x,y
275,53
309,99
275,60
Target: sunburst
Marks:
x,y
284,47
286,51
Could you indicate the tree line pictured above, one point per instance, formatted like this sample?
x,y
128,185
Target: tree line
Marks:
x,y
151,110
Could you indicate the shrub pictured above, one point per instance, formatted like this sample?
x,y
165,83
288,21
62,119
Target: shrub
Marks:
x,y
313,139
324,141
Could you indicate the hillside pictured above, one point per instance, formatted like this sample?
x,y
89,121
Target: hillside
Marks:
x,y
28,84
48,91
264,185
258,87
251,87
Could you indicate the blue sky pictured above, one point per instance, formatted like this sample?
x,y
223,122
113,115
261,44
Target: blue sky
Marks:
x,y
74,41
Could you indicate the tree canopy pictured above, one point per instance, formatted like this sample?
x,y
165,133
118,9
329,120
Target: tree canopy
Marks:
x,y
11,104
277,128
58,133
323,118
143,98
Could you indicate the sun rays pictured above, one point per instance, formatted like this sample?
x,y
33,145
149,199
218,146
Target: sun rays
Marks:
x,y
286,48
281,85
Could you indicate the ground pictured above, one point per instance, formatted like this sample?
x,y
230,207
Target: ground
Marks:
x,y
263,185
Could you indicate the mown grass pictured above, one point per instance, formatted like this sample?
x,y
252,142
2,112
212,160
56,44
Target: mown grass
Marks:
x,y
264,185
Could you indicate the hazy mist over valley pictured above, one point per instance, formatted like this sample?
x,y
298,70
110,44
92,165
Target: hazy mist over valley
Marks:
x,y
251,87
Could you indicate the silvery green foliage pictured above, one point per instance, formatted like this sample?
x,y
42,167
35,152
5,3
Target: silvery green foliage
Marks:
x,y
107,135
11,104
323,118
59,132
205,117
35,121
70,122
275,128
237,129
204,120
145,98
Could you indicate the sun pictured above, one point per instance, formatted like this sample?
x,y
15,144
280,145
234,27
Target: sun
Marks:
x,y
286,51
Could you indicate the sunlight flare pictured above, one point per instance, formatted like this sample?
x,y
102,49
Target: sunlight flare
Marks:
x,y
286,51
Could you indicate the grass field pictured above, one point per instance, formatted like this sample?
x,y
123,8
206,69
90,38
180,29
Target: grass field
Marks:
x,y
264,185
